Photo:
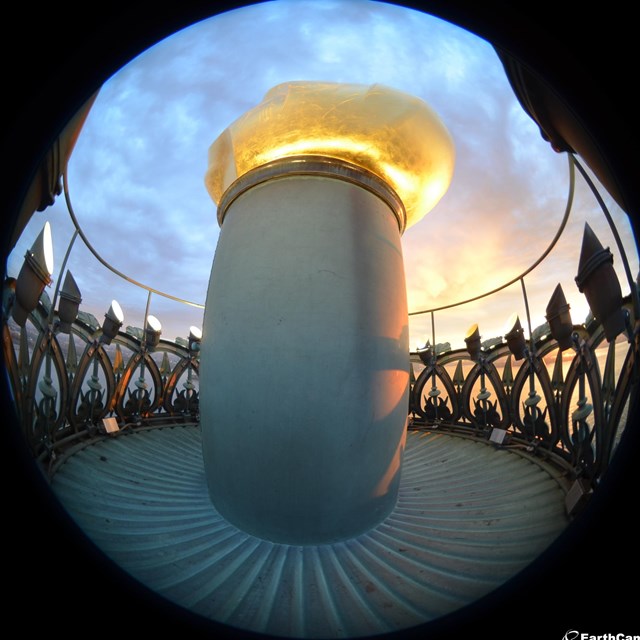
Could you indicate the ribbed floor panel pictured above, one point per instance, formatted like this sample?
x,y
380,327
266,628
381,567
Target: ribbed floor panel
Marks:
x,y
468,518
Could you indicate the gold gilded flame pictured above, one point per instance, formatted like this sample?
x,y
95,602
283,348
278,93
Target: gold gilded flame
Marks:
x,y
394,135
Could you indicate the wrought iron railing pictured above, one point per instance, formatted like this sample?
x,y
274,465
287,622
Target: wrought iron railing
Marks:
x,y
573,409
67,387
575,413
71,385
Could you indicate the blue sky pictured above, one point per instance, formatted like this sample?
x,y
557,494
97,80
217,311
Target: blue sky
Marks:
x,y
137,172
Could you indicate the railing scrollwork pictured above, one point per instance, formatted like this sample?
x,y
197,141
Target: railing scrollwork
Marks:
x,y
577,417
62,399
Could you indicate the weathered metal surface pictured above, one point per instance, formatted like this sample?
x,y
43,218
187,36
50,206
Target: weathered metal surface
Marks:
x,y
468,517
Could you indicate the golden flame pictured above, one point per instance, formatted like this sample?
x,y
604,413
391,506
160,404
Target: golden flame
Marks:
x,y
395,136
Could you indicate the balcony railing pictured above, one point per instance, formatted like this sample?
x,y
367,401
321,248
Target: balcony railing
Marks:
x,y
563,394
568,405
71,387
576,413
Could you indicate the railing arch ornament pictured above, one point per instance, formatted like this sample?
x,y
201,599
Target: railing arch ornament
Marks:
x,y
533,422
488,408
436,407
90,399
62,399
577,416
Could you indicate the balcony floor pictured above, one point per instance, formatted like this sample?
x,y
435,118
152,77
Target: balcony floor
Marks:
x,y
468,518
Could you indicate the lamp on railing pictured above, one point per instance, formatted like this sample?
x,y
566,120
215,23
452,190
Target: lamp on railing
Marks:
x,y
195,338
113,320
472,339
34,276
69,304
598,281
152,332
515,337
426,354
559,319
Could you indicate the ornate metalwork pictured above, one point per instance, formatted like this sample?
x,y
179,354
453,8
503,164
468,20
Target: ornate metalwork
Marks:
x,y
578,416
534,423
138,402
436,408
183,401
61,398
91,401
482,412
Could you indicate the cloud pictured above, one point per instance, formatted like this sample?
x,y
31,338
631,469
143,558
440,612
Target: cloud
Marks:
x,y
137,173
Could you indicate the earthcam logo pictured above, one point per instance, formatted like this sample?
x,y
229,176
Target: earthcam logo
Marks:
x,y
577,635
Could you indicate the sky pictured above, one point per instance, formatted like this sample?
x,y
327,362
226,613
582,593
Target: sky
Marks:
x,y
136,176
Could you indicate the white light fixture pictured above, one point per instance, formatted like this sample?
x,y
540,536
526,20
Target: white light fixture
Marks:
x,y
195,338
153,331
34,276
113,320
69,304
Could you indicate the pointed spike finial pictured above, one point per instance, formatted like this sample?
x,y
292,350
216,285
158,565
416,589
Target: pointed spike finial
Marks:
x,y
507,373
557,379
458,376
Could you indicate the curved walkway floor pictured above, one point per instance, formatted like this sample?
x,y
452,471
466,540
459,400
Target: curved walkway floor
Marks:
x,y
468,518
